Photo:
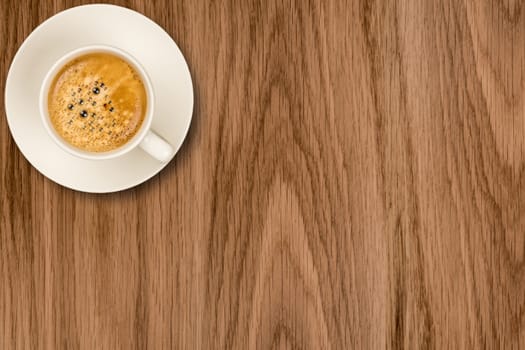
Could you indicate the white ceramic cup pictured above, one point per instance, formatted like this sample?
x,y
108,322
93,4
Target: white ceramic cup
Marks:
x,y
145,138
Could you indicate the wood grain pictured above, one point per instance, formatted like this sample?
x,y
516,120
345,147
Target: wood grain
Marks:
x,y
353,178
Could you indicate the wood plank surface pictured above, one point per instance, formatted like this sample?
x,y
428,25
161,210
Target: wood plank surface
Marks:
x,y
353,178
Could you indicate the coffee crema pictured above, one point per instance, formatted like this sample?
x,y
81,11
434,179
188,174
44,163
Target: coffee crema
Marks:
x,y
97,102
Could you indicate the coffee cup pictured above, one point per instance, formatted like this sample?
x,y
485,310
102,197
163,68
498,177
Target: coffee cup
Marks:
x,y
143,136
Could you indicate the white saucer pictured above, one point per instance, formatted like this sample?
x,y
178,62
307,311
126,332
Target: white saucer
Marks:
x,y
87,25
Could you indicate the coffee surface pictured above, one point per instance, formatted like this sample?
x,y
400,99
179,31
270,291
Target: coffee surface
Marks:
x,y
97,102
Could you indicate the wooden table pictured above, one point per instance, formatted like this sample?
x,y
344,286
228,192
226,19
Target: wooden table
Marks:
x,y
353,178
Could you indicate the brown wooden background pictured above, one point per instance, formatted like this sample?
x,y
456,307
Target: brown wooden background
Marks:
x,y
353,178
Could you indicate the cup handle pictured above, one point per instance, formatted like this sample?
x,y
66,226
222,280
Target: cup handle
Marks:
x,y
157,147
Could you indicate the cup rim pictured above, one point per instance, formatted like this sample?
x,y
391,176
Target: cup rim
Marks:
x,y
43,103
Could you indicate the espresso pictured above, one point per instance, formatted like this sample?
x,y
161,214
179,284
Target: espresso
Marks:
x,y
97,102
